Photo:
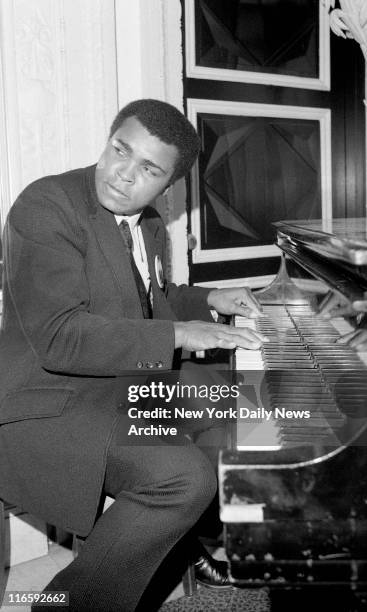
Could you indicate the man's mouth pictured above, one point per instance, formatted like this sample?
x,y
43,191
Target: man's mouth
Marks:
x,y
117,191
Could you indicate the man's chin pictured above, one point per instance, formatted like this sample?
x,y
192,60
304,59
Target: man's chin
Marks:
x,y
127,208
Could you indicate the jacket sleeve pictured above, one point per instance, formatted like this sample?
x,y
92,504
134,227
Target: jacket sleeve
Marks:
x,y
45,280
189,303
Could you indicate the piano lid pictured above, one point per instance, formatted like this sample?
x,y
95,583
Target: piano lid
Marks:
x,y
340,239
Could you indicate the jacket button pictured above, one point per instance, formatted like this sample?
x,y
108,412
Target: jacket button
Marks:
x,y
149,364
140,364
159,364
121,405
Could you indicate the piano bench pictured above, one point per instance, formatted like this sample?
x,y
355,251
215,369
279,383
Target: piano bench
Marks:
x,y
23,537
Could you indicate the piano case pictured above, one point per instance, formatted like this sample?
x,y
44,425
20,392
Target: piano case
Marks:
x,y
296,517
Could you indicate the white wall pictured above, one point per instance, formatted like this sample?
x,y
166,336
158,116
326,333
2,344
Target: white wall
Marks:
x,y
67,66
59,87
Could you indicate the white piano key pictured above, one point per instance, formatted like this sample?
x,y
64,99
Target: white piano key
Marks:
x,y
247,359
313,334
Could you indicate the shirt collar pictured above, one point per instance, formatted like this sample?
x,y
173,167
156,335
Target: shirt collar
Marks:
x,y
132,220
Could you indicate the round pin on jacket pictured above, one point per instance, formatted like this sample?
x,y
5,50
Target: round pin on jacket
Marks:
x,y
159,271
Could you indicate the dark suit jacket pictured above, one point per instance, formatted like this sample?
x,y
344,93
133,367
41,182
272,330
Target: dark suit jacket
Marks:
x,y
72,329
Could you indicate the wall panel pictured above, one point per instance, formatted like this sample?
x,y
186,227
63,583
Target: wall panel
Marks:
x,y
59,87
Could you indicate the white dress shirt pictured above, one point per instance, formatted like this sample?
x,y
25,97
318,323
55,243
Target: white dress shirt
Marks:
x,y
139,252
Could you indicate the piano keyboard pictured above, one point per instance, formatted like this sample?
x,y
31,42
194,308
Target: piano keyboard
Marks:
x,y
304,369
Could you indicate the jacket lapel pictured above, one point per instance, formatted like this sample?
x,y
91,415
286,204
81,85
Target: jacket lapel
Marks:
x,y
111,244
153,241
113,248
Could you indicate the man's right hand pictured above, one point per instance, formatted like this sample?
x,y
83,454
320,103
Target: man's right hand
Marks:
x,y
199,336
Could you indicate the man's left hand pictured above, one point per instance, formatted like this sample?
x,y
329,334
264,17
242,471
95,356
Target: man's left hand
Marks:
x,y
236,301
335,306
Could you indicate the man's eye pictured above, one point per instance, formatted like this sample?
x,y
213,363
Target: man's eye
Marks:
x,y
121,151
149,170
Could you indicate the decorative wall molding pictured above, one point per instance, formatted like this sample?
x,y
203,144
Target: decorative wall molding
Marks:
x,y
221,107
260,78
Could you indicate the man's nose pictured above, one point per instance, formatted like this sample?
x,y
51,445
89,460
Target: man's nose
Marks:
x,y
126,171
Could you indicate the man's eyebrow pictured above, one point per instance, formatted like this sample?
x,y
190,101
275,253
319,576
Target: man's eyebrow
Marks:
x,y
146,162
123,143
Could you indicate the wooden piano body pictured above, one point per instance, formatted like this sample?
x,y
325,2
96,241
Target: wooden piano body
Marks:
x,y
293,488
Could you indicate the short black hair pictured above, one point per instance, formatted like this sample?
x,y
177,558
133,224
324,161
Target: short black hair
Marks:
x,y
169,125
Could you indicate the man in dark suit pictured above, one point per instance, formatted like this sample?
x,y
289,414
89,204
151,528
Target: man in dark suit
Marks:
x,y
78,247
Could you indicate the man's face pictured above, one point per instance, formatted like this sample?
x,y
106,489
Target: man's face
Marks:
x,y
134,169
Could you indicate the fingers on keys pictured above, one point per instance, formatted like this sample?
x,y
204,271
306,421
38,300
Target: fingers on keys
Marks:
x,y
232,337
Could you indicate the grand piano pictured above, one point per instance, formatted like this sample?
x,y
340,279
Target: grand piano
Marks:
x,y
293,481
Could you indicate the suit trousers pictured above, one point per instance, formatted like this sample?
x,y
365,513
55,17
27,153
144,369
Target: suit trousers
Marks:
x,y
160,493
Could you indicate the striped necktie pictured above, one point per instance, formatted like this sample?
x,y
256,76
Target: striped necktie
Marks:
x,y
128,240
